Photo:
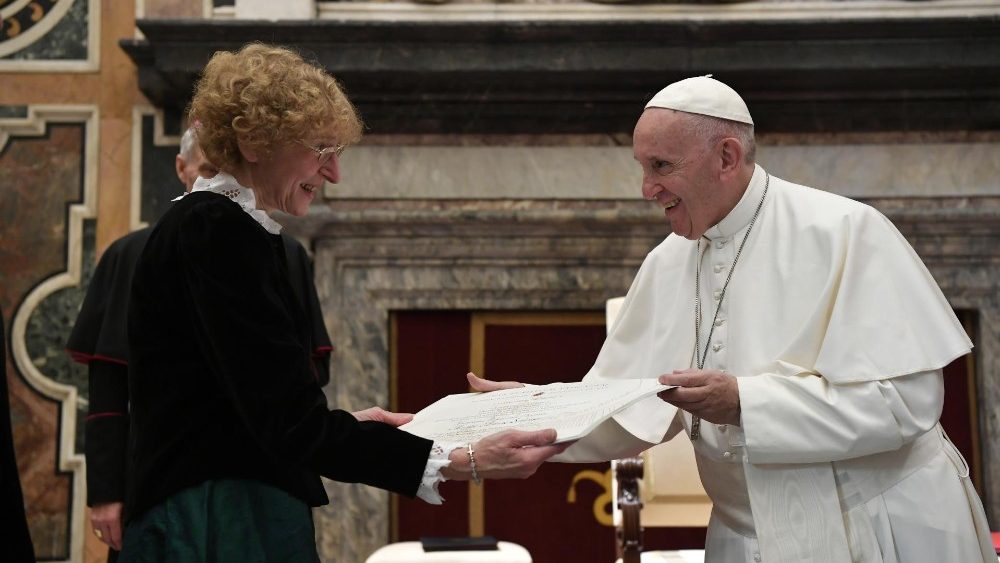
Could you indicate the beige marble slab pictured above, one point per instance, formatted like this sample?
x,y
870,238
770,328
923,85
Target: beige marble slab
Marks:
x,y
601,172
890,170
454,172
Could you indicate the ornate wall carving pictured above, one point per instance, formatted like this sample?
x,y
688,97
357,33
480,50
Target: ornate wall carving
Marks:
x,y
48,162
49,35
49,202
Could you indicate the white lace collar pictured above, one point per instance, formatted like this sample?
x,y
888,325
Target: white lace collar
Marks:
x,y
224,184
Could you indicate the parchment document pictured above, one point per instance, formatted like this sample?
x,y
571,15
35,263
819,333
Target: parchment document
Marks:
x,y
573,409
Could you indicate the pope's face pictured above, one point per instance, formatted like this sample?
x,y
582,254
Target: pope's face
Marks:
x,y
288,177
679,172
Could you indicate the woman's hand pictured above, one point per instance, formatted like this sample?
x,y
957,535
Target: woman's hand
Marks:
x,y
483,385
511,454
107,522
379,414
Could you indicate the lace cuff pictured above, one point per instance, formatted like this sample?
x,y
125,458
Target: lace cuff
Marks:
x,y
438,460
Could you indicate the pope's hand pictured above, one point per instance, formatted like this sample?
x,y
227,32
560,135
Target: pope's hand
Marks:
x,y
510,454
106,520
708,394
482,385
380,415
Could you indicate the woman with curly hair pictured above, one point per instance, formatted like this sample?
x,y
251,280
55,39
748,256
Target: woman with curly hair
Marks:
x,y
230,429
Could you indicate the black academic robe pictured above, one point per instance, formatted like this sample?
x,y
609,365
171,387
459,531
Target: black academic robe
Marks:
x,y
17,546
220,382
99,340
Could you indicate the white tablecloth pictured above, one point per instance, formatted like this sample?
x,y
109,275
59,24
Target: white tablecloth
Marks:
x,y
412,552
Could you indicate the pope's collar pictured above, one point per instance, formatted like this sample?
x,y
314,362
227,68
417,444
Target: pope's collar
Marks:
x,y
740,216
224,184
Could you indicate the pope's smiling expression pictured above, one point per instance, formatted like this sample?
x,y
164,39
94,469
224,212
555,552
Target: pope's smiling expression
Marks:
x,y
679,171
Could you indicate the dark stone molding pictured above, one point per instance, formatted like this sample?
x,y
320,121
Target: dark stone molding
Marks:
x,y
960,230
805,76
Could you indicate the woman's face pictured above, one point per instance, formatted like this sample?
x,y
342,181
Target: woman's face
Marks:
x,y
288,178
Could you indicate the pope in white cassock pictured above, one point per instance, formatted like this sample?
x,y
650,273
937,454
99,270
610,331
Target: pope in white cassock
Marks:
x,y
806,339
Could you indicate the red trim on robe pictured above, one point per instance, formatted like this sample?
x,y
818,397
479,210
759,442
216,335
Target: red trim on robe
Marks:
x,y
85,358
97,415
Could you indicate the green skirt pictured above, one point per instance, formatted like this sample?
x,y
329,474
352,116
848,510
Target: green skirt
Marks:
x,y
223,521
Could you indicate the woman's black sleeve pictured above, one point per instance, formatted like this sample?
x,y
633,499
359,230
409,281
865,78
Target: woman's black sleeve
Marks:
x,y
242,320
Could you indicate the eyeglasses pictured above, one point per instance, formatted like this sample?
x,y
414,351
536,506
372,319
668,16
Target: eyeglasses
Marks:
x,y
323,154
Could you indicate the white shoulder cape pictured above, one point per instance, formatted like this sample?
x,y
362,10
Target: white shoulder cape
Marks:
x,y
825,285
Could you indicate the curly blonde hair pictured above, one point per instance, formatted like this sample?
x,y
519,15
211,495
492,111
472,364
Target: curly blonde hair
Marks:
x,y
267,96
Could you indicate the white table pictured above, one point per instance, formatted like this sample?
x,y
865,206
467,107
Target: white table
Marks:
x,y
413,552
679,556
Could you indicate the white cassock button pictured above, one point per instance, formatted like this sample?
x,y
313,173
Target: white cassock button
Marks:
x,y
719,268
756,557
717,294
717,346
722,428
718,322
720,243
727,455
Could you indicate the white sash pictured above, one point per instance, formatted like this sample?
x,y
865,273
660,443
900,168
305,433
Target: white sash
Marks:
x,y
798,508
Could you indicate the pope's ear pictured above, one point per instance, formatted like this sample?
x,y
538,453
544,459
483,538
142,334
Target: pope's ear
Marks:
x,y
731,153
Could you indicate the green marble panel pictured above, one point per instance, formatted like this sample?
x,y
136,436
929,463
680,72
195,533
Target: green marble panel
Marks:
x,y
66,41
13,111
48,329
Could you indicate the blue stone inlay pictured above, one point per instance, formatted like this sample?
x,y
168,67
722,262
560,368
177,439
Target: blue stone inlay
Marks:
x,y
13,111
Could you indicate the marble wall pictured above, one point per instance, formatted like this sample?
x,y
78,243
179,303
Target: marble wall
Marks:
x,y
157,182
171,9
45,32
876,168
40,177
47,256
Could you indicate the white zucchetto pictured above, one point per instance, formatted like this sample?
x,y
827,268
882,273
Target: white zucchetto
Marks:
x,y
703,95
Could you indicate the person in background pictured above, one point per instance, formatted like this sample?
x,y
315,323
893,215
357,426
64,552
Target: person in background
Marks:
x,y
190,162
230,429
98,339
805,341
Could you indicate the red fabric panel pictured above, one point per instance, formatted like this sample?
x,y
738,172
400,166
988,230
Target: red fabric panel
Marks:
x,y
959,403
432,355
535,512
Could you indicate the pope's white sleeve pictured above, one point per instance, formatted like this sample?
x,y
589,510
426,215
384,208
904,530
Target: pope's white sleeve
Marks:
x,y
806,419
